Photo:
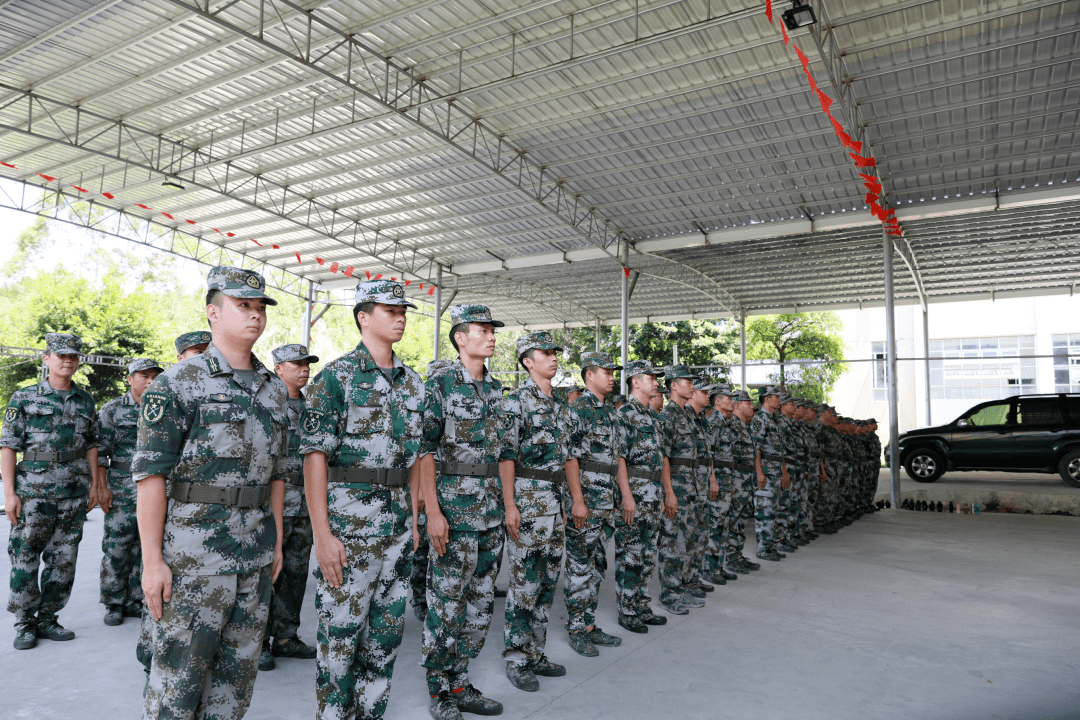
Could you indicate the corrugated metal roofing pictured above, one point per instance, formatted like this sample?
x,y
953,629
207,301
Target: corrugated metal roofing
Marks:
x,y
515,144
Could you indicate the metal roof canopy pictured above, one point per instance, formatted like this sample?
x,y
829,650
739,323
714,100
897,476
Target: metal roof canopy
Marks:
x,y
523,147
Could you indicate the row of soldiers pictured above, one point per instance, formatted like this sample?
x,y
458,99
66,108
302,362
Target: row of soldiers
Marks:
x,y
233,473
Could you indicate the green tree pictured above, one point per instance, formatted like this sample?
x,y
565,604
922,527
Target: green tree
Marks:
x,y
802,336
701,343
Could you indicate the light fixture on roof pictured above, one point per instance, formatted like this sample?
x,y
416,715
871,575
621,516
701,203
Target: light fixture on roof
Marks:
x,y
172,184
798,16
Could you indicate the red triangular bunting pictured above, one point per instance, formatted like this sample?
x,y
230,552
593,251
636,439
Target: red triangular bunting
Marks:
x,y
298,260
768,9
256,242
431,290
320,261
190,222
144,207
79,188
168,215
861,161
50,178
109,195
377,277
8,165
333,267
407,283
349,271
871,197
783,29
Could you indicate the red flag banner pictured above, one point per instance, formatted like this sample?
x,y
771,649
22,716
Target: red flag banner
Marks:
x,y
333,267
861,161
109,195
256,242
79,188
47,177
871,197
768,9
320,261
168,215
783,30
377,277
190,222
626,270
368,274
7,165
431,290
826,102
803,59
297,257
407,283
349,271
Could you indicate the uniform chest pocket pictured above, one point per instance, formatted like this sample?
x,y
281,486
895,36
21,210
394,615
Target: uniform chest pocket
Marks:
x,y
468,427
127,428
39,419
365,419
223,430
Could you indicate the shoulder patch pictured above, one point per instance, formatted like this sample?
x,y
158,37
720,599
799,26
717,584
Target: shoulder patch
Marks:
x,y
221,397
10,414
153,407
312,419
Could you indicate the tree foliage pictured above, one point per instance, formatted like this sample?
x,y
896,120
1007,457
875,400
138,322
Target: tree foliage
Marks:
x,y
802,336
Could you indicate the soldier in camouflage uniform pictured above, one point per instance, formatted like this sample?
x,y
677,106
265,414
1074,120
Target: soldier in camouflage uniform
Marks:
x,y
830,444
121,555
744,481
722,400
787,505
699,405
361,438
532,466
806,425
635,543
677,534
292,364
463,430
597,467
54,426
210,463
191,344
771,470
418,576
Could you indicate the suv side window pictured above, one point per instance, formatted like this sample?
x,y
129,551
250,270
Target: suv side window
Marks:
x,y
1039,411
1072,409
990,416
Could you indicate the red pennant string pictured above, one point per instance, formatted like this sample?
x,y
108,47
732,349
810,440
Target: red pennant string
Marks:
x,y
47,177
826,102
368,274
144,207
874,187
276,247
626,270
894,232
407,283
256,242
783,29
333,267
79,188
377,277
431,290
868,178
421,286
871,197
226,234
8,165
768,9
875,210
803,59
861,161
349,271
168,215
320,261
109,195
393,279
190,222
298,260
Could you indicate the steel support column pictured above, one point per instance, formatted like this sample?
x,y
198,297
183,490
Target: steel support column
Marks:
x,y
438,309
890,364
305,331
742,349
597,339
926,359
625,321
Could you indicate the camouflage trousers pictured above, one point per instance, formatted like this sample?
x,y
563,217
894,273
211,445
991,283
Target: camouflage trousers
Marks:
x,y
742,509
292,581
49,533
206,646
361,624
789,506
678,540
586,565
418,576
719,531
461,601
635,557
121,559
765,502
535,562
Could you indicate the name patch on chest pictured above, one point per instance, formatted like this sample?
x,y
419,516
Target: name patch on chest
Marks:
x,y
221,397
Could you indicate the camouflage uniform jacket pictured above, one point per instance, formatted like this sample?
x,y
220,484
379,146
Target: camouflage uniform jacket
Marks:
x,y
201,425
801,449
595,436
791,441
359,419
38,418
813,447
743,448
535,437
769,439
680,440
704,434
829,443
119,423
295,503
463,424
722,437
642,438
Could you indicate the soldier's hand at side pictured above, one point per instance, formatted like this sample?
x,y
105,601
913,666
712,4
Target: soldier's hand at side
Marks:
x,y
157,587
580,513
92,500
714,490
438,531
415,535
629,508
822,477
513,521
671,505
105,499
12,508
785,481
761,481
279,562
330,554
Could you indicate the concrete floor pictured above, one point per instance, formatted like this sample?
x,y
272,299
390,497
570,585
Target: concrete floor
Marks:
x,y
1031,493
902,615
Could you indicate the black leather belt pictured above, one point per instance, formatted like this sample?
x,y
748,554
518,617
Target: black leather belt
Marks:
x,y
726,464
791,460
596,467
642,472
61,456
392,477
743,468
538,474
236,496
772,458
685,462
470,469
124,465
294,478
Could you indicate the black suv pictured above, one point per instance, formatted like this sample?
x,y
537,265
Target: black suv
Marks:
x,y
1026,433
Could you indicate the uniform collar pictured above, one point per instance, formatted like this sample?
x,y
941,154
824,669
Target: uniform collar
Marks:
x,y
216,363
129,399
589,397
44,388
368,363
464,375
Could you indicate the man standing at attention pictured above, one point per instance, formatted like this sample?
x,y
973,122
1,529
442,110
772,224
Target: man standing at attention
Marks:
x,y
533,479
291,364
361,435
463,429
771,470
121,556
54,426
210,468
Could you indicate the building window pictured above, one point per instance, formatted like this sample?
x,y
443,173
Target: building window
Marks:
x,y
982,368
877,351
1066,369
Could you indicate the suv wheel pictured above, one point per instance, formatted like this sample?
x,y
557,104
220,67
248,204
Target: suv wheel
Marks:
x,y
1069,467
924,466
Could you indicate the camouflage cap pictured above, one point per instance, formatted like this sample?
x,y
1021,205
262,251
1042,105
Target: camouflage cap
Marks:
x,y
872,421
676,372
742,396
473,314
140,364
640,367
293,353
598,359
724,389
767,391
704,385
384,292
786,398
191,339
437,366
540,340
238,283
63,343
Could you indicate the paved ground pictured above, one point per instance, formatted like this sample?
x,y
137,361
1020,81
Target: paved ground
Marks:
x,y
902,615
1035,493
